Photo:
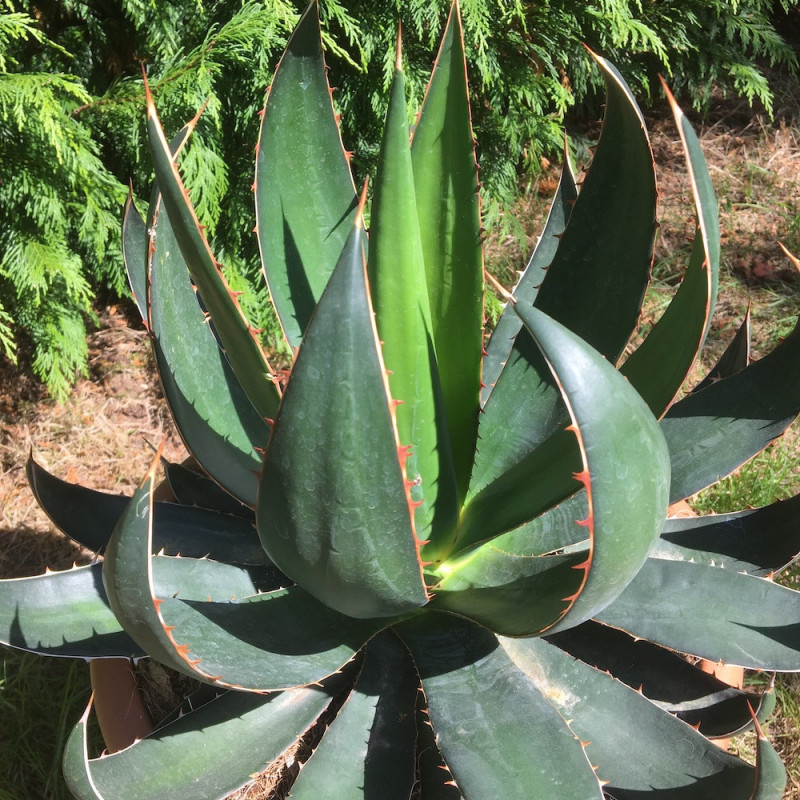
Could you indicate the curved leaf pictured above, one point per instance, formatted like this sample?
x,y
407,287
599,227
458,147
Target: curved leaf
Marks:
x,y
641,750
333,509
498,733
88,517
712,432
265,641
215,418
135,244
305,198
193,488
659,366
515,593
541,480
240,730
758,541
735,358
625,467
239,340
664,677
597,279
435,779
68,613
63,614
712,613
275,640
501,342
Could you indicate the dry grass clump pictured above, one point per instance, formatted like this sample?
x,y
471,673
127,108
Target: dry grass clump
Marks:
x,y
98,438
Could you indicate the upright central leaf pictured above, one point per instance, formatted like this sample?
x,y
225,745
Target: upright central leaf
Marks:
x,y
334,509
400,295
446,183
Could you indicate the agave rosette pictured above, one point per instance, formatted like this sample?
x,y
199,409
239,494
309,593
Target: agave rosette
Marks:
x,y
464,553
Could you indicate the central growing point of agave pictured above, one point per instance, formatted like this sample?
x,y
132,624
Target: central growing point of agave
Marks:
x,y
408,511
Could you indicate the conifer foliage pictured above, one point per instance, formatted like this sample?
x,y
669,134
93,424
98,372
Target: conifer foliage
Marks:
x,y
72,135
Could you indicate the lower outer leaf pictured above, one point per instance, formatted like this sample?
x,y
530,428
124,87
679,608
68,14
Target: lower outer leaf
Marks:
x,y
275,640
758,541
711,612
203,755
713,432
666,678
770,772
62,614
498,734
88,517
641,750
368,751
435,779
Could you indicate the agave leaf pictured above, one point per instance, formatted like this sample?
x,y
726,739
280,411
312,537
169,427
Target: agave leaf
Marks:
x,y
712,613
216,420
504,335
446,184
665,678
305,198
659,366
735,358
758,541
136,236
511,591
333,510
68,613
584,288
713,432
88,517
625,464
135,243
770,772
62,614
274,640
368,751
556,528
243,731
400,297
435,779
597,279
523,413
616,431
638,748
497,732
239,340
193,488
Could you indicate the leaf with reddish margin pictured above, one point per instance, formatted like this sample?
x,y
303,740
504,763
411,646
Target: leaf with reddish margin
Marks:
x,y
334,510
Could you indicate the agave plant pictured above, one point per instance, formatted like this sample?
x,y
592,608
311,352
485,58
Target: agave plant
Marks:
x,y
459,558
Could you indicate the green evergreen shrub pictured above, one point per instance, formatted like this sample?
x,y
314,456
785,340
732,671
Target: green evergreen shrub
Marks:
x,y
71,96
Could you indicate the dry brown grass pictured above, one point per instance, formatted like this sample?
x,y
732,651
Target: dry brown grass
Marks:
x,y
98,438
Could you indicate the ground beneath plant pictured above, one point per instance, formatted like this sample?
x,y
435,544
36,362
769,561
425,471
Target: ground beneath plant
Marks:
x,y
104,436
